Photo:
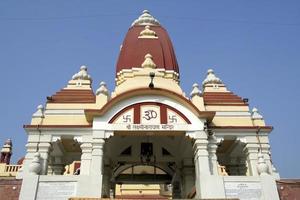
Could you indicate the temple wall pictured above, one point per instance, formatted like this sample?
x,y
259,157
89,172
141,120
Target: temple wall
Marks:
x,y
10,189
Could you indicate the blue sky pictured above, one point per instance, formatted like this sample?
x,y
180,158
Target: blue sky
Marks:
x,y
253,46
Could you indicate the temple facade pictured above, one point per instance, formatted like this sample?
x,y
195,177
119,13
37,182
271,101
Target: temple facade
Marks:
x,y
147,138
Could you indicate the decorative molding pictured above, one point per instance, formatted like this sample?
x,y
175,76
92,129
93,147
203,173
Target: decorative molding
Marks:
x,y
39,113
255,114
195,91
82,74
102,89
148,62
211,78
64,112
233,114
148,33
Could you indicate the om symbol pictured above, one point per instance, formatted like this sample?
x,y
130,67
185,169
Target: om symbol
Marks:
x,y
150,114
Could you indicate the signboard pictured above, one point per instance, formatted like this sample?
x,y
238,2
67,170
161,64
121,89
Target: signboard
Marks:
x,y
56,190
149,127
243,190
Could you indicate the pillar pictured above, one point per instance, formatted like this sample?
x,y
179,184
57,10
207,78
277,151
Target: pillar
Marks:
x,y
97,156
188,177
201,156
44,149
251,150
265,150
96,169
57,165
201,161
107,174
207,185
212,152
31,149
86,157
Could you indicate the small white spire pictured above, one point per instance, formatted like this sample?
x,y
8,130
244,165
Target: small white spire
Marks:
x,y
40,112
255,114
82,74
145,19
147,33
211,78
195,91
102,89
148,62
7,147
262,167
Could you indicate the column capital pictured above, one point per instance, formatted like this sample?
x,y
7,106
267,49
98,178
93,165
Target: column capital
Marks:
x,y
200,148
44,147
98,144
31,147
251,148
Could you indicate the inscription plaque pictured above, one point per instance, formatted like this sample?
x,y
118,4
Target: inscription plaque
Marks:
x,y
56,190
243,190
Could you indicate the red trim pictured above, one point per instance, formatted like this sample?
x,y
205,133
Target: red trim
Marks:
x,y
179,113
137,112
163,114
58,126
223,99
73,96
122,111
223,104
146,91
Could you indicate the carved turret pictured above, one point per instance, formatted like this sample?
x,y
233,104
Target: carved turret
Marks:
x,y
6,152
196,97
257,118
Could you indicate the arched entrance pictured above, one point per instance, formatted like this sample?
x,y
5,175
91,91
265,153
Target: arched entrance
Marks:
x,y
147,164
151,128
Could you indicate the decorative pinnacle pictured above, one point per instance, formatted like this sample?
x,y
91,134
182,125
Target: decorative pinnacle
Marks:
x,y
82,74
255,114
148,62
102,89
211,78
39,112
8,142
7,147
195,91
145,19
147,33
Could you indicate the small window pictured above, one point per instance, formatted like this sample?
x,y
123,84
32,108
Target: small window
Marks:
x,y
165,152
126,152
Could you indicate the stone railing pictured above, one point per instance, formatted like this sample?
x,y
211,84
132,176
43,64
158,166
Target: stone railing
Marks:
x,y
9,170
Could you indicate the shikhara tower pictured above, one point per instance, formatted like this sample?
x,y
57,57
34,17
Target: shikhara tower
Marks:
x,y
147,131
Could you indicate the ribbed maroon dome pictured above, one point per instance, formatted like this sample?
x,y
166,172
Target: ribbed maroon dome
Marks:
x,y
134,49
